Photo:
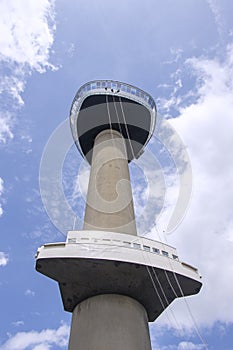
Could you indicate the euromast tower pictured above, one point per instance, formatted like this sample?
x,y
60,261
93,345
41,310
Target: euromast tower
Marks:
x,y
112,280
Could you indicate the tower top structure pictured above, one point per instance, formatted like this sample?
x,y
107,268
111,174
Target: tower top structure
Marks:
x,y
108,104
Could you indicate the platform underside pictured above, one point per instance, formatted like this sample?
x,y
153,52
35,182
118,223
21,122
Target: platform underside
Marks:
x,y
81,278
100,112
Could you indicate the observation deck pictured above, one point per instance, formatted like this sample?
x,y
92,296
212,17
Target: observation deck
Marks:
x,y
92,263
108,104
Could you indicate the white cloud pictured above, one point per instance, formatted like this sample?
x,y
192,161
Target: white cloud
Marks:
x,y
216,8
34,340
27,34
29,292
206,236
189,346
3,259
42,347
1,186
18,323
5,127
1,192
184,345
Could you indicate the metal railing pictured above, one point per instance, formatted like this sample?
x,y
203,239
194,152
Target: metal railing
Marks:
x,y
114,87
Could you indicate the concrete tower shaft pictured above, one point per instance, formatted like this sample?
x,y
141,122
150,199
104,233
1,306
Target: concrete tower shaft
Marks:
x,y
111,322
109,204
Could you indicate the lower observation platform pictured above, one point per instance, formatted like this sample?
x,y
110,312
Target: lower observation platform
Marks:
x,y
92,263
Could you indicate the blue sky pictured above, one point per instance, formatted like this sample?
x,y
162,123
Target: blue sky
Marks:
x,y
181,52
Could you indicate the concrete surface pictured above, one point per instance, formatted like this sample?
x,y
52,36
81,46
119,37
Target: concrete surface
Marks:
x,y
109,200
109,322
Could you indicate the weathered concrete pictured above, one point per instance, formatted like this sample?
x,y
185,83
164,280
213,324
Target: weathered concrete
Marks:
x,y
109,322
109,200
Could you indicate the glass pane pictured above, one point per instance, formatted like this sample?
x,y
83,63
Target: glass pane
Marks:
x,y
136,245
175,256
155,250
164,253
142,94
123,87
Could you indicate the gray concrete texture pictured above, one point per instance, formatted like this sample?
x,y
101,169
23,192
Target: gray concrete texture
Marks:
x,y
109,204
109,322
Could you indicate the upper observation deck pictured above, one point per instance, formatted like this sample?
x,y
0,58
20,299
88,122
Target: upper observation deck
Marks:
x,y
108,104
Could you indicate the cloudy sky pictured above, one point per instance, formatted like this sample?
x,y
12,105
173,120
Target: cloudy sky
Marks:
x,y
181,52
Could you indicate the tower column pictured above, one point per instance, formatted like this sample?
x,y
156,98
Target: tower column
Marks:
x,y
109,200
111,322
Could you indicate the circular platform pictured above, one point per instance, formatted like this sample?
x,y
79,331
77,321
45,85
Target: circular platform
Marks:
x,y
94,263
107,104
